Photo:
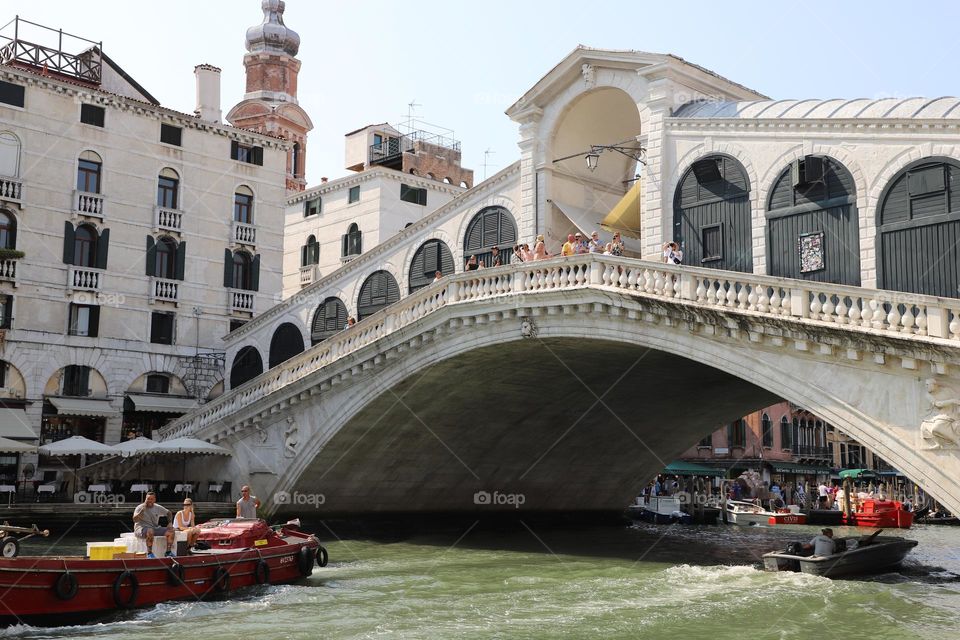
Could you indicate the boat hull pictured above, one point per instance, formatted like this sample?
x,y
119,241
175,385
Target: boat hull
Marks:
x,y
883,554
36,591
787,518
883,518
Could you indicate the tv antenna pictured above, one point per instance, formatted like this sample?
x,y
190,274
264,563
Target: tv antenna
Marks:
x,y
486,156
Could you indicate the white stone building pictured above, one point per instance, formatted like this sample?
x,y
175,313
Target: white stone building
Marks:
x,y
147,235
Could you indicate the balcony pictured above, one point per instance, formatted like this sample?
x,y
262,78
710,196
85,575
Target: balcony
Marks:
x,y
164,290
8,271
241,300
74,57
11,190
165,219
309,274
88,204
244,233
84,279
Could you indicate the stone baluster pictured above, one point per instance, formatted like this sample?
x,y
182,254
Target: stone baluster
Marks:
x,y
815,306
763,301
775,301
701,292
906,320
893,317
711,292
921,321
731,293
954,325
828,308
658,282
633,275
843,316
743,297
563,277
648,281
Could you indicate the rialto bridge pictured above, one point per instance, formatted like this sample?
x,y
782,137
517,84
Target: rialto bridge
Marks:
x,y
573,381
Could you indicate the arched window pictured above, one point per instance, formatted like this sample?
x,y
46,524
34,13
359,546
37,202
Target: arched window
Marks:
x,y
243,205
918,229
786,441
8,230
352,242
432,256
379,290
242,270
491,227
89,168
168,189
85,246
287,342
711,215
310,252
9,155
329,318
766,430
295,160
166,260
246,366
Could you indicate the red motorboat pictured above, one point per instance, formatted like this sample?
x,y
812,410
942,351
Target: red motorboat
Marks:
x,y
786,516
242,553
886,514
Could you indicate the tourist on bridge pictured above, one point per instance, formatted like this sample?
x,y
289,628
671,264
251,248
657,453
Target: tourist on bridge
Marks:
x,y
540,249
471,264
672,253
146,523
616,245
350,322
495,257
517,256
581,246
437,276
569,247
247,505
595,245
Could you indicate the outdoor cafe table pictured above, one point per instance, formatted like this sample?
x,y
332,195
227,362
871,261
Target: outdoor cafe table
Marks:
x,y
9,489
98,488
183,488
46,488
142,488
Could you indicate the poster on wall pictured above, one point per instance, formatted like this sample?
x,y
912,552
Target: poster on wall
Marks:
x,y
810,247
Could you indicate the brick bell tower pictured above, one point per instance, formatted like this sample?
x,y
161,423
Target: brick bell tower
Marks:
x,y
270,103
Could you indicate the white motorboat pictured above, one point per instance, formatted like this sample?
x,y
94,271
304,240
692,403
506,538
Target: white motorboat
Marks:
x,y
746,513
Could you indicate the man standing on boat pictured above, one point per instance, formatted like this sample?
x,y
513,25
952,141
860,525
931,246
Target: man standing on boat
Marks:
x,y
247,505
146,523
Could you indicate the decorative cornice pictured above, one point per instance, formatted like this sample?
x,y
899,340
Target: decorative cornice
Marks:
x,y
370,174
860,125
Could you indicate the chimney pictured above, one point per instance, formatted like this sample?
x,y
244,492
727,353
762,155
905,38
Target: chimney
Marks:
x,y
208,93
323,180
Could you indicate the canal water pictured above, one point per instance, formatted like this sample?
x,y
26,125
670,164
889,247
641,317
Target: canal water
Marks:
x,y
639,581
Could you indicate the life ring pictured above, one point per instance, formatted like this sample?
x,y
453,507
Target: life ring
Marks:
x,y
261,573
221,580
305,561
322,556
126,576
66,586
176,574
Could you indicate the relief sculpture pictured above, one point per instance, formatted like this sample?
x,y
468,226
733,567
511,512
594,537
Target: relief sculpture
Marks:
x,y
940,428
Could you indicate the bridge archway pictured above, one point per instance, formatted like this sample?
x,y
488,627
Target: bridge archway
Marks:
x,y
378,291
246,366
711,215
287,342
432,256
812,223
329,318
489,228
920,207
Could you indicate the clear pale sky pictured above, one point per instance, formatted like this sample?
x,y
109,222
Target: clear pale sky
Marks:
x,y
363,61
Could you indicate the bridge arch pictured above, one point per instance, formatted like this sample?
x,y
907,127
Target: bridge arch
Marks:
x,y
378,291
329,318
287,341
812,222
920,207
431,256
247,365
490,227
712,214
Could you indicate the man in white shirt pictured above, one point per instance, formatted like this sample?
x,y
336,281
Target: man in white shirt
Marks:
x,y
823,544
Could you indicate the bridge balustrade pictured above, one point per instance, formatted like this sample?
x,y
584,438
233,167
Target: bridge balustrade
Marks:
x,y
864,310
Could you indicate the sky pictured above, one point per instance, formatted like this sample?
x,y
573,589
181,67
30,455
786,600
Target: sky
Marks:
x,y
464,64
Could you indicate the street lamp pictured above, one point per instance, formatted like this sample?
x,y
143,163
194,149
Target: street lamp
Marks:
x,y
592,155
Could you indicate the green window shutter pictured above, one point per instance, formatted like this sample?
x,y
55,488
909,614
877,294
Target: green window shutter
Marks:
x,y
180,267
69,239
103,246
94,329
257,155
234,149
228,268
255,274
151,256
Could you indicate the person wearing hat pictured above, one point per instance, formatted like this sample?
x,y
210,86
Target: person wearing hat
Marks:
x,y
186,520
569,247
823,544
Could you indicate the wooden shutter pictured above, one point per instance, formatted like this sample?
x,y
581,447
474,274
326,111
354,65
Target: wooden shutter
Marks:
x,y
431,258
151,256
257,155
228,268
234,150
94,329
83,380
181,266
255,274
69,240
103,247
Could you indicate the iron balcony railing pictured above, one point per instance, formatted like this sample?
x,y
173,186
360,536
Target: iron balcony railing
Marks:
x,y
85,65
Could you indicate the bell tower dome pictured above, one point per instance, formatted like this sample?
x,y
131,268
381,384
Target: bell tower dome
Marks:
x,y
270,103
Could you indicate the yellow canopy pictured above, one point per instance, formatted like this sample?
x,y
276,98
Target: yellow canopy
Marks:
x,y
625,215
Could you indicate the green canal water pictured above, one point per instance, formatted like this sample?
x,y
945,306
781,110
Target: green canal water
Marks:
x,y
637,581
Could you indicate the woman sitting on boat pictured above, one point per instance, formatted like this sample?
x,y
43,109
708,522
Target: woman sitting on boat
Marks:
x,y
186,520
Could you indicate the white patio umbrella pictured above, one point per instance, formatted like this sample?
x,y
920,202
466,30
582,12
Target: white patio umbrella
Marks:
x,y
12,446
77,446
189,446
135,447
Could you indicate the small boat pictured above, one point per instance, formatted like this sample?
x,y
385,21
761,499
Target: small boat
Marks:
x,y
857,555
240,552
937,517
659,510
747,513
790,515
886,514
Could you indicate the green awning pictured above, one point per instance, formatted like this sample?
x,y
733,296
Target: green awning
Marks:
x,y
681,468
792,467
857,473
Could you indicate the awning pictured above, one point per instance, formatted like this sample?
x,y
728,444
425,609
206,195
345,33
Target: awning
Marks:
x,y
792,467
857,473
579,217
682,468
162,404
625,215
12,446
14,424
83,407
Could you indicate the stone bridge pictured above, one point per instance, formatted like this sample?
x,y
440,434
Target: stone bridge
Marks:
x,y
573,381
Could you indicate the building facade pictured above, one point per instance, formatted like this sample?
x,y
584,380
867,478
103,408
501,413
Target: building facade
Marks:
x,y
134,238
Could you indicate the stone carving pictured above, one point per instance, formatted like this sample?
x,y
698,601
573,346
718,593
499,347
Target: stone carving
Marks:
x,y
940,428
528,329
589,74
291,439
261,436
